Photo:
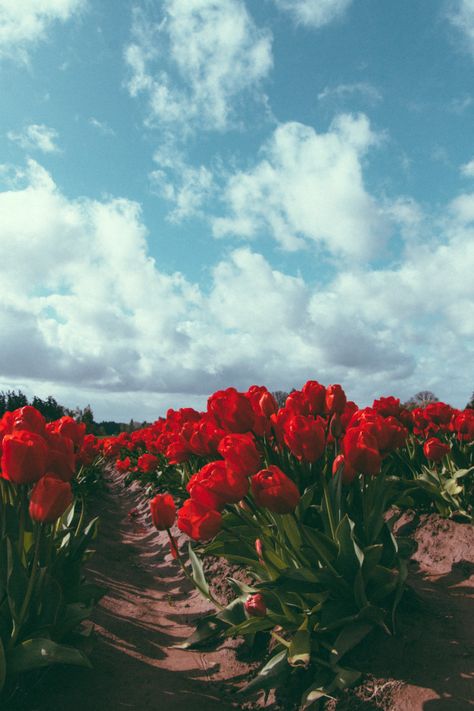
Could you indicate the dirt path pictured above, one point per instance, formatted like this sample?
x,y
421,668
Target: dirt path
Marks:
x,y
148,608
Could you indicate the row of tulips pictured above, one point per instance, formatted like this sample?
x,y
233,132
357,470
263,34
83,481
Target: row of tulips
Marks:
x,y
304,498
44,539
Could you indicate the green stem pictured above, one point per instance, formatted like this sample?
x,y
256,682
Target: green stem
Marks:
x,y
208,595
23,506
30,588
327,501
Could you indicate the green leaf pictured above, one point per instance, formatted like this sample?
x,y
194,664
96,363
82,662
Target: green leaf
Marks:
x,y
3,666
234,613
346,678
207,629
198,570
271,675
299,651
350,556
37,653
348,638
17,580
292,531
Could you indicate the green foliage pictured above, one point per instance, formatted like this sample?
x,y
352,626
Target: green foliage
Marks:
x,y
43,596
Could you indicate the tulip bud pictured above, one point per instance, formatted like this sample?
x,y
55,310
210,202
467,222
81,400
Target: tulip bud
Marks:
x,y
255,605
335,399
163,511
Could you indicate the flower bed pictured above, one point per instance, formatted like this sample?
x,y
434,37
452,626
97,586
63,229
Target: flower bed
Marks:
x,y
44,539
303,497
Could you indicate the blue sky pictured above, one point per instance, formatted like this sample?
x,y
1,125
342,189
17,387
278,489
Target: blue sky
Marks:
x,y
196,194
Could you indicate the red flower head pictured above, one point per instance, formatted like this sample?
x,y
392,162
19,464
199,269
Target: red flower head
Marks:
x,y
272,489
434,449
163,511
255,605
305,437
197,522
241,454
29,418
89,450
361,451
315,394
348,472
123,465
297,403
205,437
439,412
147,463
335,399
463,424
387,406
231,410
69,427
214,486
23,457
61,459
49,499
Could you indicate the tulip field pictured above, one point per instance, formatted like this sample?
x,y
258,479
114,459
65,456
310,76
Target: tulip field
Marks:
x,y
312,513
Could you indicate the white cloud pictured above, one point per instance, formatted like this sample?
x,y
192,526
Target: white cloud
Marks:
x,y
309,187
25,22
77,322
36,137
101,126
467,170
187,187
197,61
344,92
461,15
314,13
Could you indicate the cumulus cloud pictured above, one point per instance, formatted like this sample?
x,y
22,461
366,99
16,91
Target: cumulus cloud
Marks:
x,y
467,170
309,187
79,323
314,13
461,15
186,186
25,22
197,61
36,137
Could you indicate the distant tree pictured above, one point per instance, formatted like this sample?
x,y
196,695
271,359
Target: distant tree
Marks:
x,y
49,408
470,404
421,399
87,418
11,400
280,397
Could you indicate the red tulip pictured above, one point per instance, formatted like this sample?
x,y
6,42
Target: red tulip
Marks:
x,y
335,399
361,451
231,410
214,486
305,437
272,489
163,511
255,605
23,457
197,522
50,498
348,472
434,449
241,454
29,418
